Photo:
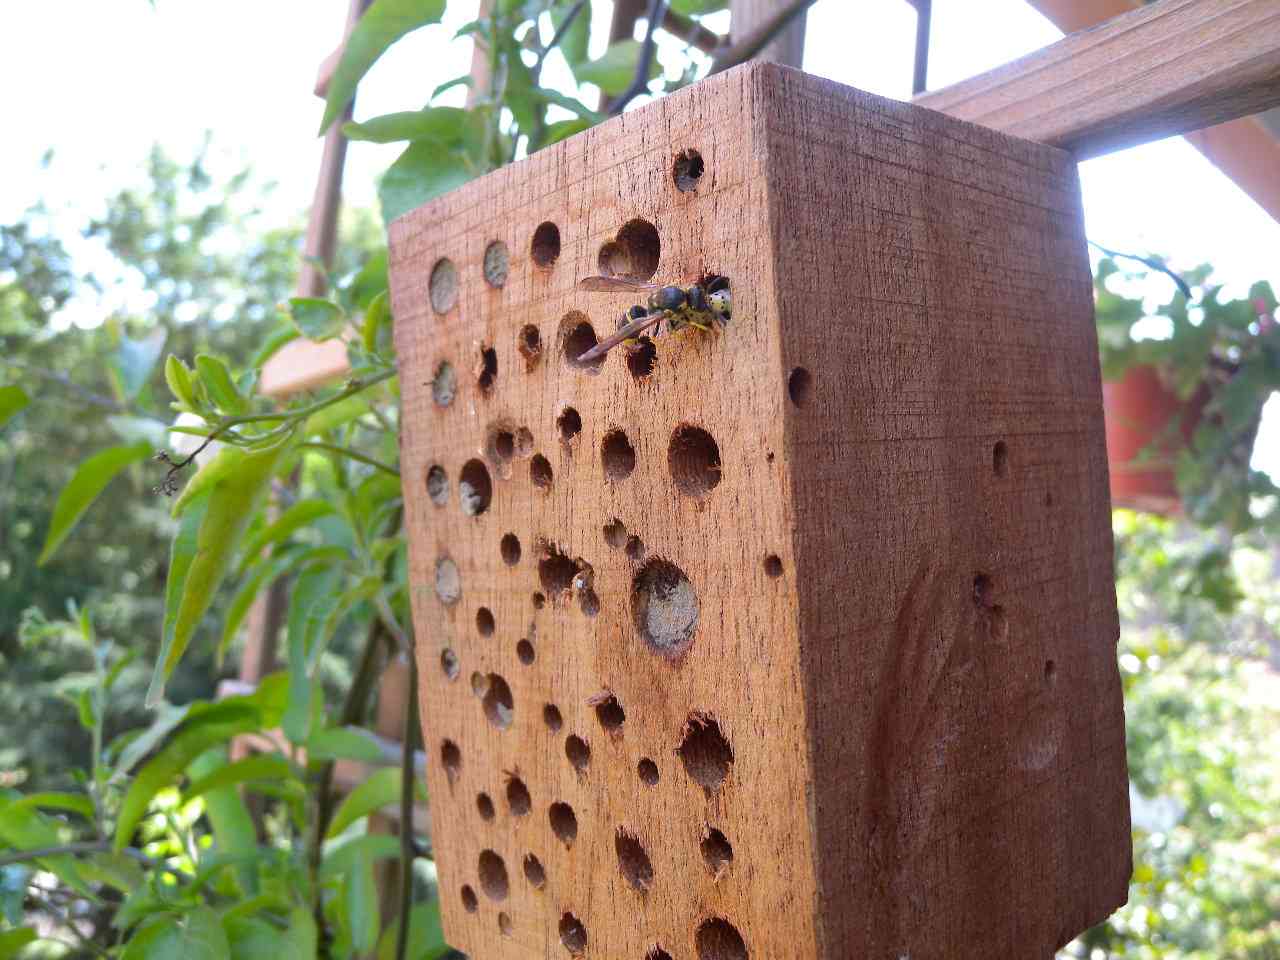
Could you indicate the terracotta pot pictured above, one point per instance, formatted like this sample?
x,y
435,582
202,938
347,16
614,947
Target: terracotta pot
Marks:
x,y
1139,410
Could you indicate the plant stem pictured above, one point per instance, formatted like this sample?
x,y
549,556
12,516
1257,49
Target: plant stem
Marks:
x,y
353,454
408,849
641,81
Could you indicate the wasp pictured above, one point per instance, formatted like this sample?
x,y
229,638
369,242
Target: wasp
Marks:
x,y
702,306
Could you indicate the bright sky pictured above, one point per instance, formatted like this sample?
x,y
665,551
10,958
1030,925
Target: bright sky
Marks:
x,y
101,81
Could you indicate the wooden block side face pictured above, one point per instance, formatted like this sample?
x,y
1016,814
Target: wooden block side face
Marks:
x,y
611,698
945,440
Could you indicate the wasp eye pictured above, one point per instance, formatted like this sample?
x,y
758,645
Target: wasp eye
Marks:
x,y
637,312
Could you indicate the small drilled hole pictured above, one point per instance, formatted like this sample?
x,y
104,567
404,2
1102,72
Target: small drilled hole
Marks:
x,y
479,684
510,549
448,581
484,622
577,337
551,717
539,601
534,872
617,455
497,264
1000,459
475,488
493,876
773,565
573,934
556,572
449,664
687,170
717,852
1050,672
501,445
444,384
982,590
564,823
611,715
693,458
438,485
530,345
664,607
470,902
635,549
525,651
705,752
633,861
484,806
497,702
443,286
578,752
642,358
540,472
570,424
799,386
518,798
589,603
451,759
504,925
657,953
647,771
615,534
487,369
524,443
718,939
545,248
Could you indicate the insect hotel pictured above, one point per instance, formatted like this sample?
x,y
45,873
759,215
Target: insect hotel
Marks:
x,y
788,638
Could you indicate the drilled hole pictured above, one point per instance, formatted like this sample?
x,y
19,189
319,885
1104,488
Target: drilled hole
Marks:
x,y
635,252
578,336
573,934
635,549
647,771
664,607
540,472
982,590
504,925
493,876
484,806
518,799
717,852
449,664
611,715
497,702
657,953
524,443
500,445
470,902
525,651
578,752
534,872
551,717
487,369
1000,458
545,248
718,939
556,572
539,601
444,384
615,534
497,264
570,424
475,489
448,581
799,386
484,622
443,286
633,861
479,684
438,485
617,455
642,358
687,170
564,823
694,461
530,345
509,547
705,752
451,760
589,603
1050,672
773,565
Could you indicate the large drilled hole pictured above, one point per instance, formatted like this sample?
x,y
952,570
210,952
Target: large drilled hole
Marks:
x,y
470,902
718,939
611,715
664,607
617,455
530,345
540,472
1000,458
633,861
493,876
484,806
438,485
451,760
448,581
534,872
545,247
444,384
578,336
497,702
642,358
687,170
573,934
569,423
475,488
518,799
509,547
443,285
551,717
484,622
799,386
497,264
717,852
705,752
578,752
694,461
615,533
449,663
525,652
556,572
635,549
487,369
634,253
564,823
647,771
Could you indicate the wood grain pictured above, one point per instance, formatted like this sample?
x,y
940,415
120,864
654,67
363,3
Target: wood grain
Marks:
x,y
1168,68
903,772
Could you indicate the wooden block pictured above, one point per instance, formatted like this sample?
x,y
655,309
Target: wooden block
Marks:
x,y
838,676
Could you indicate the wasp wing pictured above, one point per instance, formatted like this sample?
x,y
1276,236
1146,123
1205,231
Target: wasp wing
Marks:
x,y
626,332
616,285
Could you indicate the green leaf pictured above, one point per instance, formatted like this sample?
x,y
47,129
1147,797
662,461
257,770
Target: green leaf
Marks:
x,y
614,71
574,42
89,480
426,935
361,890
385,22
12,399
444,125
12,941
294,518
336,414
340,855
698,7
423,172
281,335
300,937
134,747
313,598
135,359
178,375
219,385
71,802
380,790
260,766
344,743
115,870
26,829
376,318
316,318
251,938
563,130
197,936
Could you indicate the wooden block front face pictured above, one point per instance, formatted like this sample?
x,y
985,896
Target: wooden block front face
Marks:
x,y
609,667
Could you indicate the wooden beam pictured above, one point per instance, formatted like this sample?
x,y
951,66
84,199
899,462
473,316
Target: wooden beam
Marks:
x,y
1168,68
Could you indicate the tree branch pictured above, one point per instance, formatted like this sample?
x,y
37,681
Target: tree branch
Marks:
x,y
740,51
641,81
408,848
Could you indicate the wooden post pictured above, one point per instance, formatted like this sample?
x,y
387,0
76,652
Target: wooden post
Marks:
x,y
792,640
